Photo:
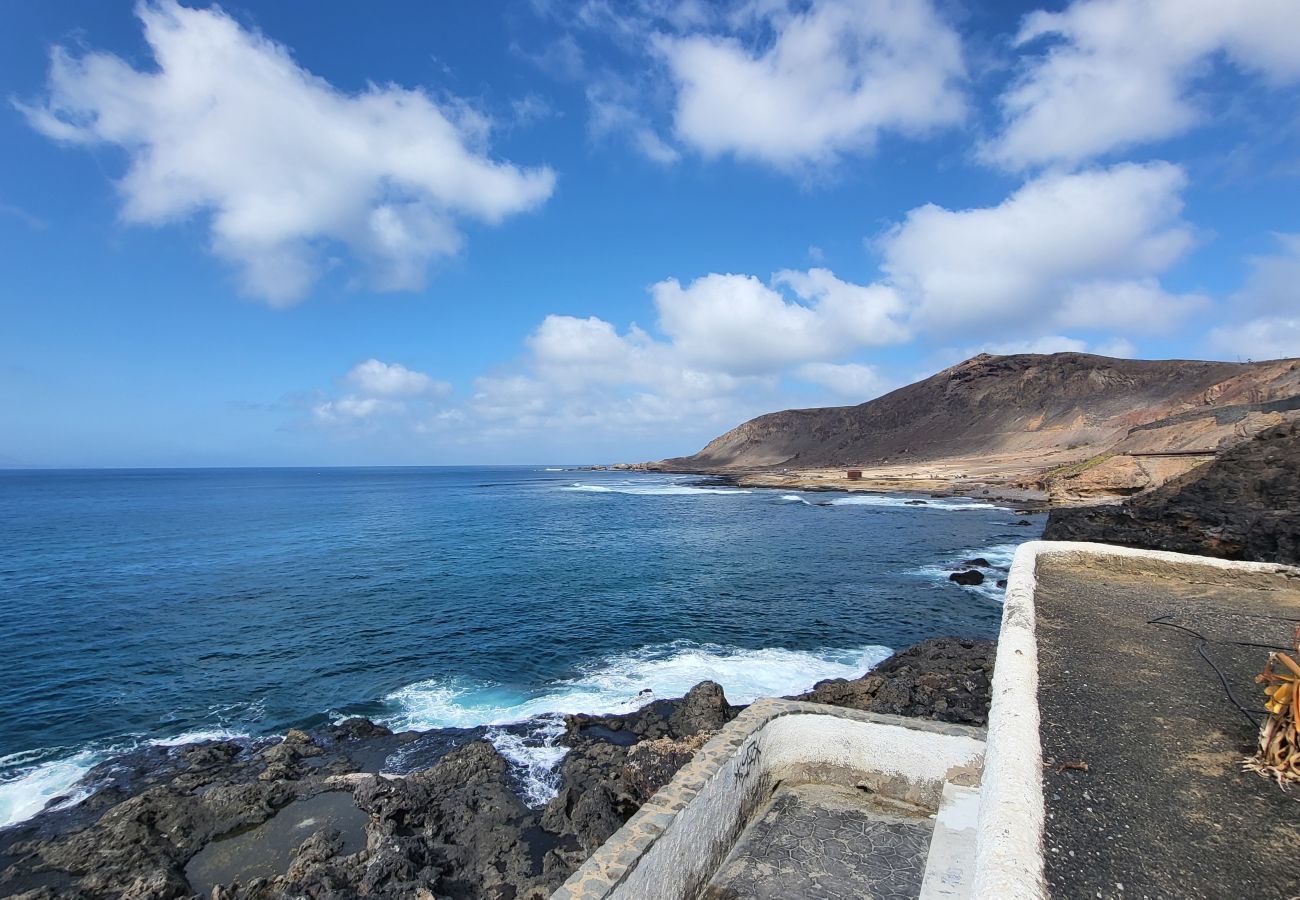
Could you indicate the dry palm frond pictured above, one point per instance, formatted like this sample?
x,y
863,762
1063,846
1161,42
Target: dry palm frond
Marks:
x,y
1279,736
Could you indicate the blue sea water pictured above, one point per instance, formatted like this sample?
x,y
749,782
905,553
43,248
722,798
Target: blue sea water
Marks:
x,y
162,606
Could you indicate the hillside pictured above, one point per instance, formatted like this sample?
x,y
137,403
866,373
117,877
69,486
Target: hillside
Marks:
x,y
1245,504
1124,425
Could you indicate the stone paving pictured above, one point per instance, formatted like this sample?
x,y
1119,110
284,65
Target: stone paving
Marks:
x,y
825,842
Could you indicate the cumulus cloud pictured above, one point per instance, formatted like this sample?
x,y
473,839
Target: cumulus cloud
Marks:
x,y
1139,306
1040,258
836,75
850,380
376,389
380,379
1266,311
739,324
284,164
1051,343
1116,73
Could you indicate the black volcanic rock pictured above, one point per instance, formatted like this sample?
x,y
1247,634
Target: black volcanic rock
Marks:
x,y
968,577
1245,504
453,828
949,679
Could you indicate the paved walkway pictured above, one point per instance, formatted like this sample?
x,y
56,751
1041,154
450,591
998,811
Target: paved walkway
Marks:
x,y
823,842
1163,808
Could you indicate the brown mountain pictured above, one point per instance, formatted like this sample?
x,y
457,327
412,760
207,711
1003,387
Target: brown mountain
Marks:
x,y
1038,413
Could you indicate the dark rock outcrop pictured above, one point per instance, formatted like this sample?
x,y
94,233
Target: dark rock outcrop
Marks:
x,y
970,576
1245,504
454,828
949,679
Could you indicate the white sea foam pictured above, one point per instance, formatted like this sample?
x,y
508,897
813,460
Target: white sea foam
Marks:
x,y
30,780
999,557
535,755
793,498
626,682
199,735
650,490
552,470
620,684
27,787
910,502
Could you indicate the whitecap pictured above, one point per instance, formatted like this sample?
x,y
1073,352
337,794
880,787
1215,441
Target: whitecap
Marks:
x,y
627,682
999,557
650,490
793,498
31,780
910,502
199,736
535,755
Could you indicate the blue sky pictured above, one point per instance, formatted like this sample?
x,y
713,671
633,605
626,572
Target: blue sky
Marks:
x,y
406,233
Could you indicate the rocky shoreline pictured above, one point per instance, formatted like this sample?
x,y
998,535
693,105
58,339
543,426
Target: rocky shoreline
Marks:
x,y
326,823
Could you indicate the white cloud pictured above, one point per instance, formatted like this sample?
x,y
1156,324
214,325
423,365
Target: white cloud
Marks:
x,y
1120,348
1266,311
1034,260
837,74
1140,306
1052,343
1268,337
1122,72
738,324
285,164
378,389
852,380
351,409
614,111
380,379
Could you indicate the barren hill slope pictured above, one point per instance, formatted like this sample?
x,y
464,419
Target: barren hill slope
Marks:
x,y
1044,410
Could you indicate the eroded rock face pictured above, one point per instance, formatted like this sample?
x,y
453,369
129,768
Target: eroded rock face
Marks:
x,y
455,828
1245,504
948,679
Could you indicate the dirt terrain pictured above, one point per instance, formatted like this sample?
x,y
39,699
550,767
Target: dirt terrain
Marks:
x,y
1064,428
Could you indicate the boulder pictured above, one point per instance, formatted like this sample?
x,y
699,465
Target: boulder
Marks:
x,y
970,576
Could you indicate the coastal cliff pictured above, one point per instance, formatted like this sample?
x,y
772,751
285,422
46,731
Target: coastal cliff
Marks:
x,y
170,822
1245,504
1069,426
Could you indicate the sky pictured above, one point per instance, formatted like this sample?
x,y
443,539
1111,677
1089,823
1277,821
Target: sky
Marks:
x,y
535,231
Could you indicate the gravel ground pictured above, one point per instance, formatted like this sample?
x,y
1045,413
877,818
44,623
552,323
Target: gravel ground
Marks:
x,y
1146,796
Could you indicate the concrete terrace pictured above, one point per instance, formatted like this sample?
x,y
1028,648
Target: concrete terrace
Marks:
x,y
1111,766
1130,660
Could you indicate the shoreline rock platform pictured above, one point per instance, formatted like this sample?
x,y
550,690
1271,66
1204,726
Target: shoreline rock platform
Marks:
x,y
455,827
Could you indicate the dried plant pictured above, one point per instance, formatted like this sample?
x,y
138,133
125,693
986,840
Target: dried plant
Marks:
x,y
1279,736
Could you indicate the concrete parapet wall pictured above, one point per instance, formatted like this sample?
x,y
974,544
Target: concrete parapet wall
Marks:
x,y
1009,842
676,841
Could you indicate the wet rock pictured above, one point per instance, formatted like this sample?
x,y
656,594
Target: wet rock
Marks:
x,y
948,679
454,828
969,577
703,709
979,562
357,728
1002,582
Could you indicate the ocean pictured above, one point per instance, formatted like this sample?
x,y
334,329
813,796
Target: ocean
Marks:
x,y
165,606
